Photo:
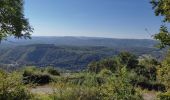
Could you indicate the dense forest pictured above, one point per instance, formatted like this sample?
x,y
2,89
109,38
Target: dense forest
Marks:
x,y
67,57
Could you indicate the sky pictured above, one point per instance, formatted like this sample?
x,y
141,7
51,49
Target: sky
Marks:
x,y
92,18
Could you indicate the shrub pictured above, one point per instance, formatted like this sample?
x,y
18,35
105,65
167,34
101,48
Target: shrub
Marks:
x,y
147,67
152,86
129,60
163,72
105,73
119,88
115,63
164,96
111,64
97,87
11,87
77,93
38,79
52,71
35,76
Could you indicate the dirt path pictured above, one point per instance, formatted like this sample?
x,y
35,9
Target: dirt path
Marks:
x,y
149,96
42,90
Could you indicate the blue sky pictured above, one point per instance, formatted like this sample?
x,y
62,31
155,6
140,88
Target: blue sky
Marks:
x,y
92,18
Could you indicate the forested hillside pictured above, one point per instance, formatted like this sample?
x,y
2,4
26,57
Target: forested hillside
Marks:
x,y
66,57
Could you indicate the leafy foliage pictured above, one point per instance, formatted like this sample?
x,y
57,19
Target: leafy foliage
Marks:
x,y
123,59
148,67
142,71
12,20
110,64
52,71
119,88
163,71
129,60
163,36
162,7
12,88
164,96
39,76
102,86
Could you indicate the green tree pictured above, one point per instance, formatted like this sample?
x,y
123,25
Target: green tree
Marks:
x,y
162,7
129,60
110,64
119,87
147,67
163,36
12,20
115,63
163,74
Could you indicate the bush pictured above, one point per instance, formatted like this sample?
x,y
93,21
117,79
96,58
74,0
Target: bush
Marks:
x,y
147,67
152,86
164,96
110,64
129,60
105,73
119,88
163,72
11,87
77,93
35,76
115,63
52,71
91,86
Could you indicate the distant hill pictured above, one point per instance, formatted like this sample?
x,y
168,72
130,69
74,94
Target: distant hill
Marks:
x,y
67,57
73,53
82,41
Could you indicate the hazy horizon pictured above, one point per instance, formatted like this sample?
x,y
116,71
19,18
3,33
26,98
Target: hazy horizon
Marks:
x,y
34,36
